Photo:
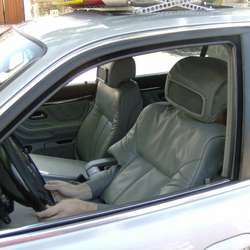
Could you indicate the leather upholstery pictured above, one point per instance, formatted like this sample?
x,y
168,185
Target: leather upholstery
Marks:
x,y
117,106
117,72
114,113
55,166
192,76
168,150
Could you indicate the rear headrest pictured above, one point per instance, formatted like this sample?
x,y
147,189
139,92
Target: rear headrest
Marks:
x,y
114,73
198,86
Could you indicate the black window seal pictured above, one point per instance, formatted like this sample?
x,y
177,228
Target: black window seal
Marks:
x,y
238,117
204,51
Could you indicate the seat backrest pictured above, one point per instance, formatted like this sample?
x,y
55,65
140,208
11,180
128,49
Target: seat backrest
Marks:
x,y
178,144
117,105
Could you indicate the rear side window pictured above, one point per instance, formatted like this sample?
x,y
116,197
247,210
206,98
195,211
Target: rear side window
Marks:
x,y
149,64
157,63
17,52
162,62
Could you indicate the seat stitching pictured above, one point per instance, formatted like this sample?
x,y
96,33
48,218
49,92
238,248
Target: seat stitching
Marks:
x,y
102,130
124,149
128,163
132,184
203,153
183,166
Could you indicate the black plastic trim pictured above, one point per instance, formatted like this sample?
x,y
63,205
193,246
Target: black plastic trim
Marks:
x,y
238,112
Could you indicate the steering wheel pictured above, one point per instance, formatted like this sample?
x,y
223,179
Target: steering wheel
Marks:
x,y
20,178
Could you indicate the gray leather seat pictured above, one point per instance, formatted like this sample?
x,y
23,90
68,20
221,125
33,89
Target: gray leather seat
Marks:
x,y
117,106
174,147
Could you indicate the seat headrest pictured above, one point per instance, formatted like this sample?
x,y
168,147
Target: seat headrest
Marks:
x,y
117,72
198,86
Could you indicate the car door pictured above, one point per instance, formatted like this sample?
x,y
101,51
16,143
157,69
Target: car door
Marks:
x,y
52,129
194,220
211,219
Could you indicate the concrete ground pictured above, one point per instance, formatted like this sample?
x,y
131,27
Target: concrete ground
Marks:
x,y
3,28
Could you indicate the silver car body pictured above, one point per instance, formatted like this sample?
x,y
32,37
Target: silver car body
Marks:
x,y
217,217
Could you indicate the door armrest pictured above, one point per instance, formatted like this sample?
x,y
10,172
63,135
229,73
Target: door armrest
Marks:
x,y
90,169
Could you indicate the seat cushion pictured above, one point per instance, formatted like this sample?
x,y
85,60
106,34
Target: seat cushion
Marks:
x,y
117,105
48,165
114,113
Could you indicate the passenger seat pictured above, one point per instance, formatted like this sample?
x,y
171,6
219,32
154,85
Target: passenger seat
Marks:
x,y
178,145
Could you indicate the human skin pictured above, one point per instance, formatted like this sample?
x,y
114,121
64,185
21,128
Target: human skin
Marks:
x,y
71,200
65,208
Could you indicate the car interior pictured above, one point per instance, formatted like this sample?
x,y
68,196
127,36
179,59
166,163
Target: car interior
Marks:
x,y
159,118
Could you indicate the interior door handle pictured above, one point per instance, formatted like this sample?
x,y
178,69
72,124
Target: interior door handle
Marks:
x,y
38,115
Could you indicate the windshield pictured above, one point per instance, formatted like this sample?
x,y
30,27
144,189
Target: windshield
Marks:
x,y
16,53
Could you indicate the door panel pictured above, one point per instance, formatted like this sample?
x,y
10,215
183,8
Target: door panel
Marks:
x,y
151,81
61,122
152,88
152,95
75,91
52,129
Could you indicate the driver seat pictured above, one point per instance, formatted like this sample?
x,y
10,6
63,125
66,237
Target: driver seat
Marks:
x,y
178,144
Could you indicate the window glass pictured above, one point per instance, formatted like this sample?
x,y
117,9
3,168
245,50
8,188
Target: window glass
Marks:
x,y
162,62
158,62
15,57
86,77
155,63
148,64
218,51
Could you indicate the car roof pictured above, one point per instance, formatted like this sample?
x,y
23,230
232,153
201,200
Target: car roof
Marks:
x,y
79,28
64,34
67,33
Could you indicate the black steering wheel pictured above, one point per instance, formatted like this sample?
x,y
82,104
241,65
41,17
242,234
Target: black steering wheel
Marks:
x,y
20,178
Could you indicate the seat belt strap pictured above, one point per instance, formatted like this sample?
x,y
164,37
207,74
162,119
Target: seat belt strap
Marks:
x,y
204,51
